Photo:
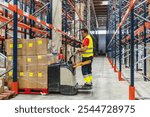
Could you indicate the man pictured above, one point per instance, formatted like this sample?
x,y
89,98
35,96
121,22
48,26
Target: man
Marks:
x,y
87,54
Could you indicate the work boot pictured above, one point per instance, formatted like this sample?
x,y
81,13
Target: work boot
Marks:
x,y
88,84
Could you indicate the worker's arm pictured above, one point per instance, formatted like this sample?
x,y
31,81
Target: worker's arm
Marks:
x,y
83,49
85,43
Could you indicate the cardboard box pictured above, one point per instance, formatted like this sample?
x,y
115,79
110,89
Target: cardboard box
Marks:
x,y
41,46
31,60
21,47
22,61
1,85
23,83
10,74
42,83
9,46
22,80
42,59
31,47
32,79
21,65
32,68
42,76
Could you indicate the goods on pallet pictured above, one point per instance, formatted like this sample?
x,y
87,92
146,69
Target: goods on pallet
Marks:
x,y
42,76
9,46
21,47
32,79
41,46
38,46
21,63
31,47
31,60
1,85
22,79
32,71
32,67
42,59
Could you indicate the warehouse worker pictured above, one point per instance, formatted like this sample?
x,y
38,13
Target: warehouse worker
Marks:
x,y
87,54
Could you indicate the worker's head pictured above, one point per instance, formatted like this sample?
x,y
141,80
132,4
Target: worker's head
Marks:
x,y
84,32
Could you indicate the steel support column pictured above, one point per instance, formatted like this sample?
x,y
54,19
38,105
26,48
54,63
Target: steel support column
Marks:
x,y
49,18
25,19
32,10
145,38
137,46
131,87
66,9
15,52
120,38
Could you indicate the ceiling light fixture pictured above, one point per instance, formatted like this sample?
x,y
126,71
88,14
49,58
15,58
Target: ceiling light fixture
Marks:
x,y
105,2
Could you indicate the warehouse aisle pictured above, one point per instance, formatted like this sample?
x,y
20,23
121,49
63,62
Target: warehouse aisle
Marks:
x,y
106,86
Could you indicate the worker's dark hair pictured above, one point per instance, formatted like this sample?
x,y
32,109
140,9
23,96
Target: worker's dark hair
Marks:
x,y
85,30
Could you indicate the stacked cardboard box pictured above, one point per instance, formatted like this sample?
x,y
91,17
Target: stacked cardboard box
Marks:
x,y
42,62
21,47
21,66
32,71
32,62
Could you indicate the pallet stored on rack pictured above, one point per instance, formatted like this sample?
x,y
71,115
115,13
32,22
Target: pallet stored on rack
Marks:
x,y
33,91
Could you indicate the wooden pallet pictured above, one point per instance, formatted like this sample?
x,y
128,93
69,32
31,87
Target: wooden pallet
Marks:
x,y
33,91
7,95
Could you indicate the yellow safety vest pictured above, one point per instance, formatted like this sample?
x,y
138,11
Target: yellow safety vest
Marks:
x,y
89,51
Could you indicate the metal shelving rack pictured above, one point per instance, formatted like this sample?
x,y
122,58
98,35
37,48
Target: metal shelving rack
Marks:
x,y
33,18
127,34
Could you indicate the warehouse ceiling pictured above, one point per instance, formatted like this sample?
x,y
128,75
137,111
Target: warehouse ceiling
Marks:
x,y
101,11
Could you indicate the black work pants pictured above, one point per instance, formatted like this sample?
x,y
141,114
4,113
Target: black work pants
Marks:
x,y
87,69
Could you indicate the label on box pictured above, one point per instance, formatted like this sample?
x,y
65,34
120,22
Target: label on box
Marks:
x,y
20,45
21,73
39,57
11,45
10,58
30,45
10,73
31,74
40,75
40,42
29,60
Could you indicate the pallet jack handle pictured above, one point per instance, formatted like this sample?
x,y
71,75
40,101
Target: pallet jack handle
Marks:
x,y
82,63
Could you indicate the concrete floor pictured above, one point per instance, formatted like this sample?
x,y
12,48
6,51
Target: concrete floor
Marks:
x,y
105,86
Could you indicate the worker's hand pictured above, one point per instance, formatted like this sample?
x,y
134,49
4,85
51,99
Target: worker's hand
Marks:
x,y
79,51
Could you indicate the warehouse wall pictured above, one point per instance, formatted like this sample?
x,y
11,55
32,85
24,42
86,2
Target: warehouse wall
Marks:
x,y
101,44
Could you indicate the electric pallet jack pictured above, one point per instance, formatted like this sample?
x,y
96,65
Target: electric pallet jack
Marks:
x,y
62,77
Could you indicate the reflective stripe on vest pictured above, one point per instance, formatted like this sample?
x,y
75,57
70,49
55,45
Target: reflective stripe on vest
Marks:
x,y
89,51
